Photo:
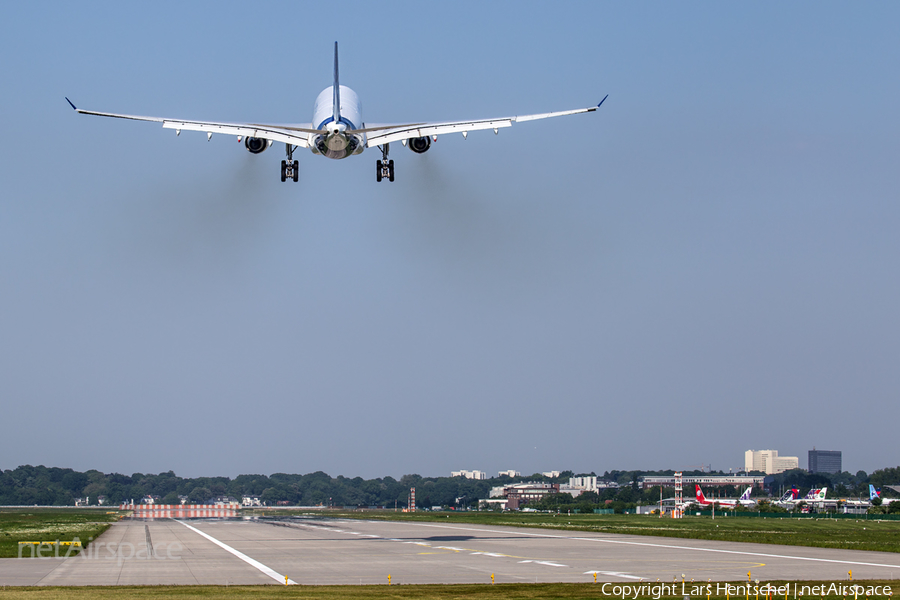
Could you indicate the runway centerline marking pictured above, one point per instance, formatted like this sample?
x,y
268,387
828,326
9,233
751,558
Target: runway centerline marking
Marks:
x,y
250,561
471,551
672,547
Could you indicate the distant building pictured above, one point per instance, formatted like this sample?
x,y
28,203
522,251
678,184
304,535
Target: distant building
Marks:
x,y
224,501
824,461
551,474
568,489
513,497
769,462
587,483
469,474
509,473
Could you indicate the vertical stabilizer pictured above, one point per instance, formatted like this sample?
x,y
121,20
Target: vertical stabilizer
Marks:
x,y
337,88
873,493
700,496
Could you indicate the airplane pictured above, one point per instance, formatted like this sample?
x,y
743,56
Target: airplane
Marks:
x,y
816,497
873,493
811,494
337,129
744,500
790,498
791,494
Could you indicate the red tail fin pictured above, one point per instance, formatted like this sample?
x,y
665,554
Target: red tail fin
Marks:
x,y
700,497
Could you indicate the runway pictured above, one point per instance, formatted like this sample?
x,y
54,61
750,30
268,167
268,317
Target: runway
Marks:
x,y
322,551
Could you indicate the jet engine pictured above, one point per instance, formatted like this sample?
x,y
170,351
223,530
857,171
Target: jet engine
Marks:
x,y
256,145
419,144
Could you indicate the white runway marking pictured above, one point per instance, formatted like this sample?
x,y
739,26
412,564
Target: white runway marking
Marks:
x,y
546,563
254,563
614,574
605,541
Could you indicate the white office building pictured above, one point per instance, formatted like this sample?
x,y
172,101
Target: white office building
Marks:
x,y
587,483
769,462
469,474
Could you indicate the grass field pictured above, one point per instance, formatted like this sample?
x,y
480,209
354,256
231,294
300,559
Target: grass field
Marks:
x,y
847,534
49,524
523,591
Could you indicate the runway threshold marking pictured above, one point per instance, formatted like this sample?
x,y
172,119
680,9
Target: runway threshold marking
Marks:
x,y
718,550
250,561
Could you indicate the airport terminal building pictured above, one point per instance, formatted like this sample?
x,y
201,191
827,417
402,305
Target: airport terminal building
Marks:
x,y
704,480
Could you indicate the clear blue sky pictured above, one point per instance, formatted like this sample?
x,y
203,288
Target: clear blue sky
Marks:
x,y
709,263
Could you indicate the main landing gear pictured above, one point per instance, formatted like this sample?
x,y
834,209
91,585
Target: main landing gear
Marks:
x,y
290,168
384,168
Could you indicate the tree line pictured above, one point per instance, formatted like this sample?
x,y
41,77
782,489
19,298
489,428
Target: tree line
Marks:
x,y
53,486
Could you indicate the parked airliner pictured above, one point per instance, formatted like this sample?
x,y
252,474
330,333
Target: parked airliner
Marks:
x,y
337,129
744,500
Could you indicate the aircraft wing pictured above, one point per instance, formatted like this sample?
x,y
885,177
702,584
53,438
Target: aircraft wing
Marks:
x,y
401,132
298,135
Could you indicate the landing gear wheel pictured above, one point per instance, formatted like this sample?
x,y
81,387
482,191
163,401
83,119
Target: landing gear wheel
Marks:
x,y
384,167
296,169
283,171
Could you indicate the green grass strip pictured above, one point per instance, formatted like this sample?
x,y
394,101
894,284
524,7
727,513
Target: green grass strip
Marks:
x,y
514,591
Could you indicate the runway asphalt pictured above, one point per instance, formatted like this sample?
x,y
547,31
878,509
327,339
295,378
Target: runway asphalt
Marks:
x,y
321,551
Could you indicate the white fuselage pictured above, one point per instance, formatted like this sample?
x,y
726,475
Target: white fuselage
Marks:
x,y
339,141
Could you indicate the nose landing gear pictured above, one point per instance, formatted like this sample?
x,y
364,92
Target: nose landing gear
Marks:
x,y
290,168
384,168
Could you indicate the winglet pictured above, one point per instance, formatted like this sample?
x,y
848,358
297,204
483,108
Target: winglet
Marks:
x,y
604,100
70,104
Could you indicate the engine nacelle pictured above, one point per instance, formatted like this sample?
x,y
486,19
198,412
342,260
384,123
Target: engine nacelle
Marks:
x,y
419,145
256,145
